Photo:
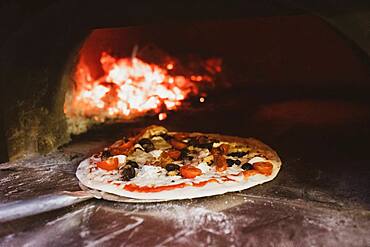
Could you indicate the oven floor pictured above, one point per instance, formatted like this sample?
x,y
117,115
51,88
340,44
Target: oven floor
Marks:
x,y
320,197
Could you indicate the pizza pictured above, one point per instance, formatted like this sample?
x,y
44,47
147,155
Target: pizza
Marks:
x,y
160,165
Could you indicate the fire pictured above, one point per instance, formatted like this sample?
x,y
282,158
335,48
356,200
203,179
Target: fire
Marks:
x,y
162,116
131,87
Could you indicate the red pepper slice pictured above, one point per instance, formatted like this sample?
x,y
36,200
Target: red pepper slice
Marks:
x,y
109,164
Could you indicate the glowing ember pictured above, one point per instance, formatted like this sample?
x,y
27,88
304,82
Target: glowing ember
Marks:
x,y
162,116
131,87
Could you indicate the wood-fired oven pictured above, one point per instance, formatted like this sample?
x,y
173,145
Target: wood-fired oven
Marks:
x,y
74,77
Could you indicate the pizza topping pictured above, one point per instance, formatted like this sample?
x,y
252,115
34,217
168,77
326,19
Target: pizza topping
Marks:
x,y
180,136
136,188
256,159
106,154
173,173
189,171
224,148
237,154
141,157
160,143
132,164
208,159
264,168
219,158
174,154
127,173
204,167
220,150
163,160
172,167
166,137
220,162
153,130
109,164
249,173
185,154
121,158
231,162
123,146
247,166
179,145
203,153
156,160
149,175
201,142
156,153
138,146
146,144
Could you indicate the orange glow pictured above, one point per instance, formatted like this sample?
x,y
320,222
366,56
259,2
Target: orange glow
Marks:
x,y
130,88
169,66
162,116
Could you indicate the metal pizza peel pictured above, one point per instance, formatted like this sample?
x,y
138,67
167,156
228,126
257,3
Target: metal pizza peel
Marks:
x,y
45,203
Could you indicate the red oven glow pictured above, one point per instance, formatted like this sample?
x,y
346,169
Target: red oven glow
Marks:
x,y
131,87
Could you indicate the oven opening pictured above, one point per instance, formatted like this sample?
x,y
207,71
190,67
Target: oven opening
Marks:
x,y
119,79
154,72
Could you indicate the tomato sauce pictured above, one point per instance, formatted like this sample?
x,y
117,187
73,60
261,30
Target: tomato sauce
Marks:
x,y
265,168
137,188
249,173
201,184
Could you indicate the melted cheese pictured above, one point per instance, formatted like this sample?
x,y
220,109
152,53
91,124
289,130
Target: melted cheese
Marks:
x,y
256,159
153,176
156,153
121,158
160,143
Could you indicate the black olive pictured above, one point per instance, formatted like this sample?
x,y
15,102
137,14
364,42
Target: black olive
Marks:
x,y
132,164
247,166
127,173
200,142
192,141
208,145
144,141
184,153
166,137
147,144
106,154
172,167
237,154
230,162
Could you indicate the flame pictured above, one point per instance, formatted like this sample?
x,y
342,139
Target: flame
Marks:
x,y
130,88
162,116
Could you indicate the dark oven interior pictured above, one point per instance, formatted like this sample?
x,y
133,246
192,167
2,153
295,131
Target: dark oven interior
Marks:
x,y
293,75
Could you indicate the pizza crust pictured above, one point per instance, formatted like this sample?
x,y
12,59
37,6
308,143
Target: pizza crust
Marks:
x,y
188,192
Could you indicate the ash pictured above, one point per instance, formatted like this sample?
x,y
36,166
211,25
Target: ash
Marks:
x,y
34,176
